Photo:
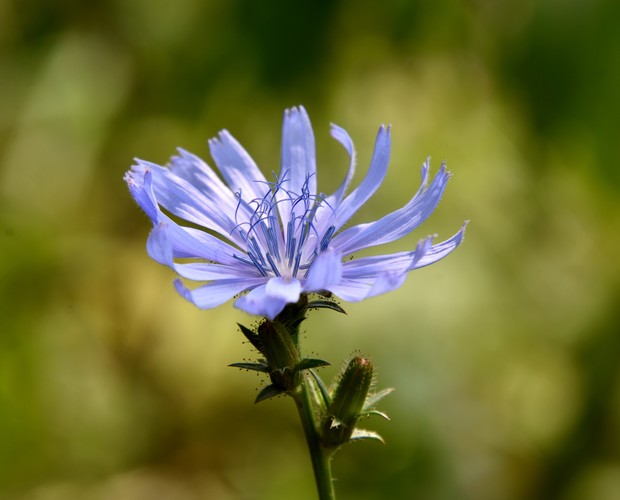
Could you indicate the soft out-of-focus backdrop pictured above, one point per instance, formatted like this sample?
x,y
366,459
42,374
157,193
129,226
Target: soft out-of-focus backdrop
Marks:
x,y
505,356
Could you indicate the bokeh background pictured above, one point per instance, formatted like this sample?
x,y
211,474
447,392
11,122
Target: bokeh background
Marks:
x,y
505,356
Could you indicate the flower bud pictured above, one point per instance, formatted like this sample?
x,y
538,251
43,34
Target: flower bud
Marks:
x,y
348,400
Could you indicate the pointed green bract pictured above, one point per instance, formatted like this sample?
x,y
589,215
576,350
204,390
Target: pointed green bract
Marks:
x,y
359,434
325,304
323,390
314,388
373,399
267,392
308,363
257,367
251,336
277,340
377,412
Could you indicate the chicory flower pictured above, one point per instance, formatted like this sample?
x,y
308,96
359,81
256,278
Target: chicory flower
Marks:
x,y
270,241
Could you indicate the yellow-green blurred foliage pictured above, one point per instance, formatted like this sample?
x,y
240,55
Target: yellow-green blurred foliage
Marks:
x,y
505,356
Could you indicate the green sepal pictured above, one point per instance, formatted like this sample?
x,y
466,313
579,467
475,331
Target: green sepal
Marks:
x,y
359,434
375,398
267,392
251,336
324,304
257,367
308,363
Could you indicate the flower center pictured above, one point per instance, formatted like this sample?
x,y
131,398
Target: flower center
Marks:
x,y
281,234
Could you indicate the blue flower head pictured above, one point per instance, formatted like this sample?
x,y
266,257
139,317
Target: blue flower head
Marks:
x,y
279,239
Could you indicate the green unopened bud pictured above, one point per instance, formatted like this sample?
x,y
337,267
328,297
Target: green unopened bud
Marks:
x,y
280,353
347,402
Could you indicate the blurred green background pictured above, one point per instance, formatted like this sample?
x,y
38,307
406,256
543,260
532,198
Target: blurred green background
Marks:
x,y
505,356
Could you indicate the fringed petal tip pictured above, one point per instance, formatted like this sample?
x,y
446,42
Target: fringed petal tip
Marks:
x,y
440,250
459,237
462,230
141,167
444,170
443,173
221,137
140,187
136,174
295,110
424,171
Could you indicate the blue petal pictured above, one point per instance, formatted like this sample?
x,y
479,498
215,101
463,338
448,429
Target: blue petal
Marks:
x,y
358,290
188,242
258,302
325,213
343,138
326,270
398,223
401,262
283,289
371,276
372,181
192,243
351,290
441,250
195,171
158,246
237,167
386,282
298,152
200,271
184,241
366,269
216,293
212,208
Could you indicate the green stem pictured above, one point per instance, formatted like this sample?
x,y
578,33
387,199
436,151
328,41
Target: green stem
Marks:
x,y
321,457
